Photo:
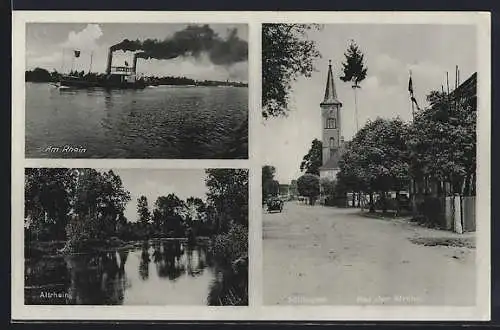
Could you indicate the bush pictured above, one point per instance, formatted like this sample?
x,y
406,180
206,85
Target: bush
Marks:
x,y
336,201
392,203
232,245
231,251
431,212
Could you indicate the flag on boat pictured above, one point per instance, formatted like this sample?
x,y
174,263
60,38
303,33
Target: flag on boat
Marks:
x,y
77,53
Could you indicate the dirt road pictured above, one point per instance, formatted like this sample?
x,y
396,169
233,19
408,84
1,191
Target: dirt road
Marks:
x,y
322,255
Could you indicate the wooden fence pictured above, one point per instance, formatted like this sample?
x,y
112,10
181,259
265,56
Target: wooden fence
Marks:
x,y
457,213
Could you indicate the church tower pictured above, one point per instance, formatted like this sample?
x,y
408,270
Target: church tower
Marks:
x,y
331,128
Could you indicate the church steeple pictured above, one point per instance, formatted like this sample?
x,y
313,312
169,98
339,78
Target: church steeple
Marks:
x,y
330,91
331,125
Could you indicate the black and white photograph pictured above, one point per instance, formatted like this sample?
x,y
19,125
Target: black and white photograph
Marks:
x,y
369,164
136,237
136,90
250,166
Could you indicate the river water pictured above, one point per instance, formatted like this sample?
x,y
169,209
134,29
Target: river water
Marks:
x,y
151,273
168,122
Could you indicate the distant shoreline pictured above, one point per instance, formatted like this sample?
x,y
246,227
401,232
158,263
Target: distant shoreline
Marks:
x,y
39,75
166,85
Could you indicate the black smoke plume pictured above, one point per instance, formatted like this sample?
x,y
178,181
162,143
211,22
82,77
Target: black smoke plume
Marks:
x,y
192,41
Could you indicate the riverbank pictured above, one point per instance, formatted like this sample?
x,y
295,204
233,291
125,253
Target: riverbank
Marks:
x,y
43,248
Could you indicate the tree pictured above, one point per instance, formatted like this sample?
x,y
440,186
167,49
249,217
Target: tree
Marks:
x,y
313,160
72,204
195,208
328,187
195,216
287,53
167,214
270,187
354,71
308,185
350,177
294,192
228,193
100,198
376,160
48,200
442,142
143,210
328,191
112,201
38,75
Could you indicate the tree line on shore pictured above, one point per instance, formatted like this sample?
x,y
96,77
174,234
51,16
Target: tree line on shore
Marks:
x,y
43,75
82,210
78,205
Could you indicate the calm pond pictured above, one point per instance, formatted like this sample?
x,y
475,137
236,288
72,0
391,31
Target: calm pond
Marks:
x,y
152,273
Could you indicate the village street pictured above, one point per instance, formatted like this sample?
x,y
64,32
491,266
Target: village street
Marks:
x,y
326,255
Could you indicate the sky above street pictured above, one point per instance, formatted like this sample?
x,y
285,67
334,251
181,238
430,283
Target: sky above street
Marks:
x,y
153,183
50,46
391,51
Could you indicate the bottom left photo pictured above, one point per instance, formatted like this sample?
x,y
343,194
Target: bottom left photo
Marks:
x,y
136,236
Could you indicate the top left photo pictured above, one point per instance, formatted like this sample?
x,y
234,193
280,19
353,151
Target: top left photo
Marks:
x,y
136,90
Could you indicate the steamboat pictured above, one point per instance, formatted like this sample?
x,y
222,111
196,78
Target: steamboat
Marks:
x,y
116,77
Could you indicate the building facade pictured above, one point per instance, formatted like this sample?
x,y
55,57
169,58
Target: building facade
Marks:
x,y
332,138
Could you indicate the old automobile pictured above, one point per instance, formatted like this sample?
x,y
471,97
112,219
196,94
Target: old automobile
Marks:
x,y
274,204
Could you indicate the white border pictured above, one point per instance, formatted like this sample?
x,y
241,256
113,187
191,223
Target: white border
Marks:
x,y
256,311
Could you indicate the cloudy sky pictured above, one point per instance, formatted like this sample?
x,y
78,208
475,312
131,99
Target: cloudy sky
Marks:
x,y
159,182
390,52
51,45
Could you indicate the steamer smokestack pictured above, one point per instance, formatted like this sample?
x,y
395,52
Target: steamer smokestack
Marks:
x,y
110,58
134,64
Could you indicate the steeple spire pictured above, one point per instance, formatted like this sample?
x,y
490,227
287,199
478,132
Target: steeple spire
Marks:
x,y
330,92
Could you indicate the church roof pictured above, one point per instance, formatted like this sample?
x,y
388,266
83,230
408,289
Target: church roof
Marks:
x,y
330,91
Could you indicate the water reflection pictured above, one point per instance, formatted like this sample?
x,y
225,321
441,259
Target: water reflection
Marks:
x,y
145,259
166,256
151,123
97,278
156,272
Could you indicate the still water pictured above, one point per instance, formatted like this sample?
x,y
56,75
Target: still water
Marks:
x,y
151,273
156,122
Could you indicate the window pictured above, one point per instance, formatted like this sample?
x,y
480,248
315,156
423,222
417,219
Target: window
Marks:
x,y
332,143
331,123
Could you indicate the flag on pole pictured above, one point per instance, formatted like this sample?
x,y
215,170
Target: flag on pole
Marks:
x,y
410,90
410,85
77,53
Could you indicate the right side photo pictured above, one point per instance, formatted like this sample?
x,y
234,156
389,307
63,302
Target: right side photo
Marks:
x,y
369,164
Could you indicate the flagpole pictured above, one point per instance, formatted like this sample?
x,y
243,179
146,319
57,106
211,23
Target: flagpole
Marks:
x,y
413,183
412,110
410,89
90,67
62,61
356,106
